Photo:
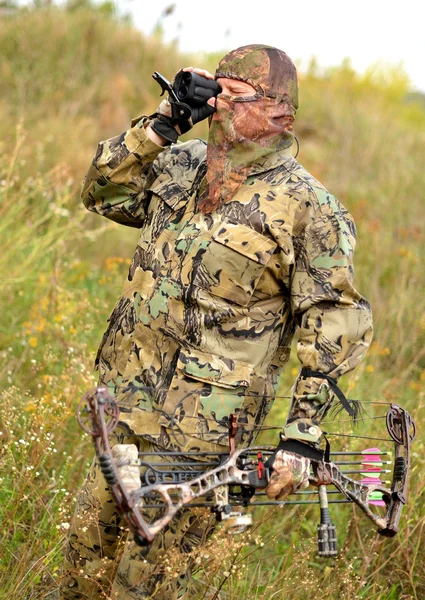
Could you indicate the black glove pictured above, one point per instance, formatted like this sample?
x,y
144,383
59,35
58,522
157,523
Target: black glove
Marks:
x,y
176,118
171,120
202,112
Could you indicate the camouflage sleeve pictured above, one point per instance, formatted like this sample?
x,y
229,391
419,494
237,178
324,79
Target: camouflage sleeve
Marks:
x,y
335,322
122,171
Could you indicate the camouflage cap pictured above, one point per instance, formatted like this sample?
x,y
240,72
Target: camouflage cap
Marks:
x,y
269,70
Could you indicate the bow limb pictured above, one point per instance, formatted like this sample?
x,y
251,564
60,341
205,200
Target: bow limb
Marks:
x,y
401,428
327,473
100,406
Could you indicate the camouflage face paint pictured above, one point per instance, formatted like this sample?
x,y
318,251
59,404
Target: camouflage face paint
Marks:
x,y
245,130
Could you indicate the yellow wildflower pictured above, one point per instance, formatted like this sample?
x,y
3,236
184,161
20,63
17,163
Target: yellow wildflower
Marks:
x,y
41,324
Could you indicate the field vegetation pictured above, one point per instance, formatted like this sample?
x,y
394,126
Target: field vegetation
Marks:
x,y
73,76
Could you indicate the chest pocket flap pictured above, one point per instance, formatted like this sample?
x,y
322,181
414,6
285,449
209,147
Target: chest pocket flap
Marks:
x,y
170,192
233,262
246,241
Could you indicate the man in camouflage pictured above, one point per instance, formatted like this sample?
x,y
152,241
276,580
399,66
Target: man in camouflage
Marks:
x,y
240,247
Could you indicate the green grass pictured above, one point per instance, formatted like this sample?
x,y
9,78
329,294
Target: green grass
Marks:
x,y
70,79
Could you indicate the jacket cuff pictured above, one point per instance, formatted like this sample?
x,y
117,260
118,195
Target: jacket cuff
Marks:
x,y
311,399
309,385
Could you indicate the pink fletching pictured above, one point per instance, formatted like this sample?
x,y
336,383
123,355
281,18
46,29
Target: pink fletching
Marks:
x,y
371,481
377,502
372,458
371,451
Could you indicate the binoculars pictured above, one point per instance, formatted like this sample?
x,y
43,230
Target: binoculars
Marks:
x,y
190,88
193,89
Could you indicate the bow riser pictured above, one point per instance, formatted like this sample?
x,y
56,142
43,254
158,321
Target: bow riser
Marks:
x,y
177,495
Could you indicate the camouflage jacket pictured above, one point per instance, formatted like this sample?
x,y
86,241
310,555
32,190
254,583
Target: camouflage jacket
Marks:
x,y
211,303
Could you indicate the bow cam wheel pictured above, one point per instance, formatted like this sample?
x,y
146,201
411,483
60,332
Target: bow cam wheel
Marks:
x,y
92,407
395,425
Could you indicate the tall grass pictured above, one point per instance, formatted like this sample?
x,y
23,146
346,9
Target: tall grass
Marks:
x,y
71,79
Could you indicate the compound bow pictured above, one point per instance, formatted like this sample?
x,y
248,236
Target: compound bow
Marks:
x,y
238,476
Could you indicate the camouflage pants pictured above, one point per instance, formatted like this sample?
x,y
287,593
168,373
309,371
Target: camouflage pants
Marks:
x,y
101,563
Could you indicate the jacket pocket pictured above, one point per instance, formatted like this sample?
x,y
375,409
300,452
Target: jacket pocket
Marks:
x,y
231,265
210,368
205,390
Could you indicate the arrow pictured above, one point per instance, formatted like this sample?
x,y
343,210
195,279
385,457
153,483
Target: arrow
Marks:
x,y
372,464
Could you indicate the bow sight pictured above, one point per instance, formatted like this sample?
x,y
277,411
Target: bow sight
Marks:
x,y
229,482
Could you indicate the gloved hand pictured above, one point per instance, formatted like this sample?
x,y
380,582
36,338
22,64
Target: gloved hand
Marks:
x,y
290,474
174,117
199,113
171,120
